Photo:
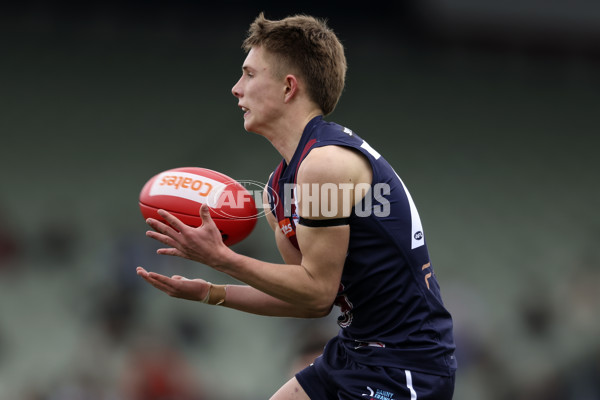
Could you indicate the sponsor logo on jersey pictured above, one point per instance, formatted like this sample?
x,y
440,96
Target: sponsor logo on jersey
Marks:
x,y
378,394
286,227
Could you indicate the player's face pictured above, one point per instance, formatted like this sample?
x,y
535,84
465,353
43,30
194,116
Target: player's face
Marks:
x,y
260,94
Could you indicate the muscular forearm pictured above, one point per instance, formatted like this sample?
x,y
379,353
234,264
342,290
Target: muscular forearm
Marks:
x,y
251,300
292,285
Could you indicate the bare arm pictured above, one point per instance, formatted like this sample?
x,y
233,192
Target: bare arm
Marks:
x,y
307,288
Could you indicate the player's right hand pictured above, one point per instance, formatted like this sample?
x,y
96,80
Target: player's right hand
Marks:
x,y
177,285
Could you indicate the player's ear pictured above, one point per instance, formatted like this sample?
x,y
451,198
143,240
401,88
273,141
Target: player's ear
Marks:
x,y
291,87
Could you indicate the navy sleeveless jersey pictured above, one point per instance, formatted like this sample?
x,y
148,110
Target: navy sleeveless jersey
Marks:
x,y
391,311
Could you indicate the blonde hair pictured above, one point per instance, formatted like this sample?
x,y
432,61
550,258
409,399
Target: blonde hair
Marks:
x,y
306,46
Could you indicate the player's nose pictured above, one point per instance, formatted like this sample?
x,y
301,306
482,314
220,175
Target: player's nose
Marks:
x,y
236,90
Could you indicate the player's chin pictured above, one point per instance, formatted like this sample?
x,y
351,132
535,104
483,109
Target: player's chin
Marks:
x,y
254,125
249,126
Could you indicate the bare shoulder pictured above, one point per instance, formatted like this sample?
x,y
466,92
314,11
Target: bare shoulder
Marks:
x,y
331,179
334,164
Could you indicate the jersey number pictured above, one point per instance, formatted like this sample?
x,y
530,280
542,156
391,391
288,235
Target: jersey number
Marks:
x,y
427,275
345,318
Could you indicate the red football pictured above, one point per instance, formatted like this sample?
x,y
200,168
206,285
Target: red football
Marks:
x,y
181,191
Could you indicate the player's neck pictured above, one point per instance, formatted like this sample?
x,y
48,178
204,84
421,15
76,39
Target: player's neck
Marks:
x,y
288,135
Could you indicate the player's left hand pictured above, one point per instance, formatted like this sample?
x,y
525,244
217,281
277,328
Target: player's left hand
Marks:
x,y
177,285
203,244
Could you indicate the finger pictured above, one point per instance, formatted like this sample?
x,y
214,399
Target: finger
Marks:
x,y
158,277
161,282
172,220
171,251
205,214
157,284
164,239
141,271
161,227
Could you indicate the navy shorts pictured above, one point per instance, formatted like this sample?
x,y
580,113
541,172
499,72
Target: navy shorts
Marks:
x,y
334,376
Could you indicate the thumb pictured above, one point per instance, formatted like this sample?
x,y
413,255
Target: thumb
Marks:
x,y
179,278
205,213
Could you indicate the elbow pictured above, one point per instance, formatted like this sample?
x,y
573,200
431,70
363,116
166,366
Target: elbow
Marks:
x,y
319,307
319,298
319,312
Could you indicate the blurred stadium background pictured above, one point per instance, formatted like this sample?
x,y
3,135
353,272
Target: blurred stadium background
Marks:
x,y
488,111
